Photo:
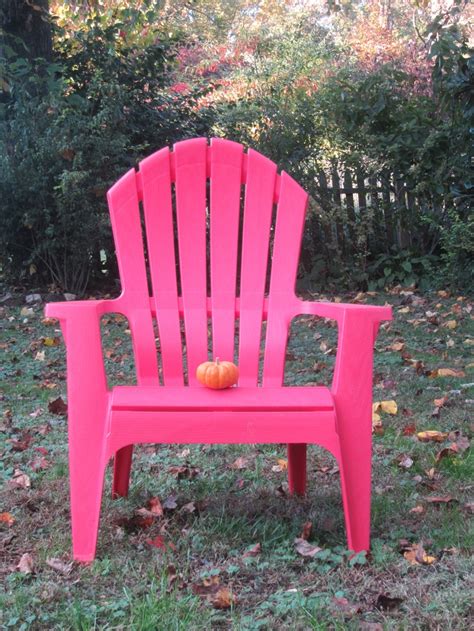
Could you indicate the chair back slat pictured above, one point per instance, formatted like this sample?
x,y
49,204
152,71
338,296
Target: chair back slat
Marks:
x,y
190,166
259,197
126,226
219,170
225,191
286,249
155,173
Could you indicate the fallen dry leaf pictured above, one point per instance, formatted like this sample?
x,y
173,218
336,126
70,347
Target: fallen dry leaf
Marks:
x,y
306,531
60,566
306,549
207,585
440,402
431,435
447,372
57,406
7,518
387,603
190,507
21,480
253,551
416,555
396,347
157,542
450,324
170,502
26,564
418,510
281,466
405,462
240,463
445,499
155,507
51,341
376,421
462,442
345,607
223,599
450,450
389,407
184,472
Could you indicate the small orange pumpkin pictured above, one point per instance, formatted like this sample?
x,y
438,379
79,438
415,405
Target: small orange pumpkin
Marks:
x,y
217,375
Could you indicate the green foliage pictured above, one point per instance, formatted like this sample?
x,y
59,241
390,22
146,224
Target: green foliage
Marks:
x,y
403,268
66,134
384,119
304,88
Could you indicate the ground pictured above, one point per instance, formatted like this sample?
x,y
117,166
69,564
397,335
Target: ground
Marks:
x,y
222,554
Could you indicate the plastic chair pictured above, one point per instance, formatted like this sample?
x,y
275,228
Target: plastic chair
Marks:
x,y
192,195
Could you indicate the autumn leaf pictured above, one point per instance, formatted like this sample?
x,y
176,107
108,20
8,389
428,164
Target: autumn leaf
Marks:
x,y
416,555
450,324
281,466
26,564
57,406
50,341
7,518
345,607
440,499
223,599
431,435
389,407
306,549
387,603
183,472
240,463
253,551
157,542
170,503
153,509
60,566
447,372
306,531
154,506
405,462
20,479
439,403
396,347
207,585
451,450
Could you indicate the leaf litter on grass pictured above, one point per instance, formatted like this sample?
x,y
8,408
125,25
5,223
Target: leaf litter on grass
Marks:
x,y
240,516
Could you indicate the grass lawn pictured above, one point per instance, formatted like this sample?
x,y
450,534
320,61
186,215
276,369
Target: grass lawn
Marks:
x,y
227,533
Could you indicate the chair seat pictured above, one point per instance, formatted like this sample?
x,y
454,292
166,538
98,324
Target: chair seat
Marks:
x,y
156,399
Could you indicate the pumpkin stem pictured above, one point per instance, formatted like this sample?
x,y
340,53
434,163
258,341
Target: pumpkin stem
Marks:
x,y
217,361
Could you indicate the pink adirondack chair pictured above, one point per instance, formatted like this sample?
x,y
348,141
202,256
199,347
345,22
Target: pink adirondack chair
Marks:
x,y
167,407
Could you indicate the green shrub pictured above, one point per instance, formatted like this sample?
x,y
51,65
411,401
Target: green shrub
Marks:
x,y
68,130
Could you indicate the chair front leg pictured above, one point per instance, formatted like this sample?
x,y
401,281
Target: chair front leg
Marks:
x,y
88,401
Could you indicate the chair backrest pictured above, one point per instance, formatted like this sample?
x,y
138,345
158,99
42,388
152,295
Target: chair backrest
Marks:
x,y
212,213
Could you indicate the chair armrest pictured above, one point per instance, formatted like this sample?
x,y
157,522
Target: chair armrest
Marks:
x,y
357,327
80,326
338,310
64,311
